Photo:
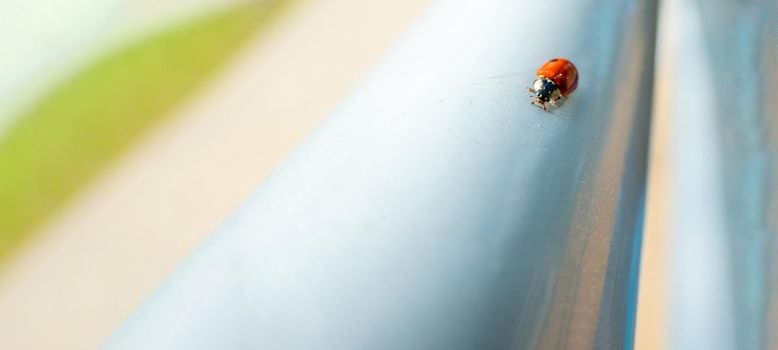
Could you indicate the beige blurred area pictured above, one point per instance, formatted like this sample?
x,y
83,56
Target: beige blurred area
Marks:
x,y
93,264
651,315
650,332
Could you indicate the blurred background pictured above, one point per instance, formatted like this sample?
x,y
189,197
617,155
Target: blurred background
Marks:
x,y
130,129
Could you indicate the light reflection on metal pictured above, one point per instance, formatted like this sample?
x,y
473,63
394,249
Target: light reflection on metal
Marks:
x,y
722,250
700,307
438,209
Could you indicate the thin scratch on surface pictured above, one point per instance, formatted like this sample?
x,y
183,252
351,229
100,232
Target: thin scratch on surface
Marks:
x,y
500,76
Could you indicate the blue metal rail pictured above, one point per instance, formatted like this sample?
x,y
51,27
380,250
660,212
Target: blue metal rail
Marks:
x,y
438,209
723,198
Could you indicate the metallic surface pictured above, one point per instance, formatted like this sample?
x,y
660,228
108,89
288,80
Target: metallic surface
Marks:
x,y
437,208
723,226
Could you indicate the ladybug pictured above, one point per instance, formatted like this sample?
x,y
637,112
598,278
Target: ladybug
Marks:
x,y
557,78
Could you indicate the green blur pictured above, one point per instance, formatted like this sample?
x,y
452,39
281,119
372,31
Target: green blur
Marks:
x,y
84,123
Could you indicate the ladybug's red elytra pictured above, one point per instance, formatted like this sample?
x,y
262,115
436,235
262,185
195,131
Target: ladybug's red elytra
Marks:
x,y
557,78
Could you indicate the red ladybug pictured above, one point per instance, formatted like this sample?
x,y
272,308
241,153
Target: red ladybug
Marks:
x,y
557,78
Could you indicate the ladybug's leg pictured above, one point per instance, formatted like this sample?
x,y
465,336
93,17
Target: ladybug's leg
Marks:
x,y
532,90
539,104
555,102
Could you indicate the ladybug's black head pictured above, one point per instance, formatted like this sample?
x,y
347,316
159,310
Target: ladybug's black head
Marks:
x,y
546,90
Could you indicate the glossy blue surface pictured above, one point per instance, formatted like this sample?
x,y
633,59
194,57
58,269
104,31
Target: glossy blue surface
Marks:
x,y
722,238
438,209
